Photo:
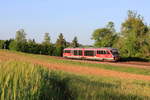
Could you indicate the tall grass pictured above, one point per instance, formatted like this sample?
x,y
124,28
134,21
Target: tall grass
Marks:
x,y
111,89
24,81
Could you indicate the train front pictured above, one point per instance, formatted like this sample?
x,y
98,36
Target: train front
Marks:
x,y
115,54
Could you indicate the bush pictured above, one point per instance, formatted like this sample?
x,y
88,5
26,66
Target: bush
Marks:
x,y
13,45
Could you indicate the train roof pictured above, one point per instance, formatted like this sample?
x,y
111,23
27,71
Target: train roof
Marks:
x,y
110,48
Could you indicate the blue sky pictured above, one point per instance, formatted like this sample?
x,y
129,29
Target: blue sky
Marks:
x,y
70,17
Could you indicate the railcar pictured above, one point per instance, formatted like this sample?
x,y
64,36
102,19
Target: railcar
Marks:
x,y
110,54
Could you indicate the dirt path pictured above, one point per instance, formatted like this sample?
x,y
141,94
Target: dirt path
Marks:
x,y
71,68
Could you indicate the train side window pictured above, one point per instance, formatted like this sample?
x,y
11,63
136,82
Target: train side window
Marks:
x,y
80,52
104,52
99,52
67,51
89,53
75,52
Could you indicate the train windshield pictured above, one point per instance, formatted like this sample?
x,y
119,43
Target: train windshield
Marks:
x,y
115,52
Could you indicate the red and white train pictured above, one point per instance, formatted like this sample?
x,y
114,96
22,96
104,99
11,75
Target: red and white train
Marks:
x,y
110,54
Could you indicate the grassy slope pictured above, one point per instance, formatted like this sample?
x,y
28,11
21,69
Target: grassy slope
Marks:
x,y
25,81
49,59
133,70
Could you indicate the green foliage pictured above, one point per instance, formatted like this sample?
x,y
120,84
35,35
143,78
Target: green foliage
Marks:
x,y
2,44
13,45
20,43
47,49
60,45
61,42
75,43
47,39
104,37
20,36
33,47
18,46
30,46
134,41
7,43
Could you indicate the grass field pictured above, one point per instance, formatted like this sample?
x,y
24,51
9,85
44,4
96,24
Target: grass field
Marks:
x,y
97,65
133,70
21,80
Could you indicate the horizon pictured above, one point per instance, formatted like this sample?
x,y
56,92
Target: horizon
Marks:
x,y
72,18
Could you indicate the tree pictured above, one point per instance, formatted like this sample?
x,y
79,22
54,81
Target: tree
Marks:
x,y
134,40
111,26
75,42
20,42
60,45
7,43
31,41
61,42
104,37
20,36
46,39
32,46
47,47
2,44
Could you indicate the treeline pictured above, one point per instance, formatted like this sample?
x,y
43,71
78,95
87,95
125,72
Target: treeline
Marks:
x,y
133,40
20,43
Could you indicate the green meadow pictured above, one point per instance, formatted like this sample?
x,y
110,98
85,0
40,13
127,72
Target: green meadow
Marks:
x,y
21,80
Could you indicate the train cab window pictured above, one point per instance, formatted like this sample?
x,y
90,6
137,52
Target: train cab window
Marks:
x,y
107,52
89,53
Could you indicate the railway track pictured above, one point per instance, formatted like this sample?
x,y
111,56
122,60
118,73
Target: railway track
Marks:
x,y
137,64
